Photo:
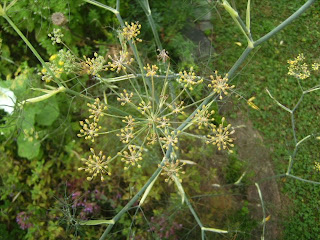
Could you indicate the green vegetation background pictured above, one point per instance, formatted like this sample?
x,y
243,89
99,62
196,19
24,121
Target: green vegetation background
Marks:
x,y
43,180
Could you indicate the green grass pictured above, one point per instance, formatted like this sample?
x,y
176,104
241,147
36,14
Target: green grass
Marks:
x,y
267,68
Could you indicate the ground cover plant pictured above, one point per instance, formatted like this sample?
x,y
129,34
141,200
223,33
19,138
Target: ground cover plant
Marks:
x,y
132,123
272,121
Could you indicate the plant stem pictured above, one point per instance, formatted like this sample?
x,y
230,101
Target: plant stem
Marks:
x,y
136,197
118,6
93,2
34,51
146,8
301,10
263,211
240,60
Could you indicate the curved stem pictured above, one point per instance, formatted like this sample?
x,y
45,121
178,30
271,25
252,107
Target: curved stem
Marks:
x,y
93,2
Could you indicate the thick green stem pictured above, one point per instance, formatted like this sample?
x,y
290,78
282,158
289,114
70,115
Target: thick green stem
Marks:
x,y
118,6
146,8
303,180
136,197
238,63
245,29
235,16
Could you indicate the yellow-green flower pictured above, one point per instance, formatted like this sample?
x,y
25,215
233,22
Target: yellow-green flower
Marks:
x,y
220,85
96,164
221,136
298,68
132,156
172,169
151,71
89,130
189,79
131,32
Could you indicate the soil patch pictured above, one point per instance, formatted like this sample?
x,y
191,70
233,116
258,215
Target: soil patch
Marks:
x,y
250,148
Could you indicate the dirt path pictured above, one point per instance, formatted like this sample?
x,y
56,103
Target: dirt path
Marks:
x,y
250,148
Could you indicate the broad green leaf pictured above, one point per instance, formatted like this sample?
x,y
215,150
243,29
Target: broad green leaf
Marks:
x,y
47,111
19,84
28,117
28,145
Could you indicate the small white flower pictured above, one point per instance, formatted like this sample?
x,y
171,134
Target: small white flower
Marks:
x,y
7,100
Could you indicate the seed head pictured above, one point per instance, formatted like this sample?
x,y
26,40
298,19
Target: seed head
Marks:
x,y
96,109
220,85
203,117
92,66
171,169
163,122
58,19
177,107
221,136
144,107
132,156
151,71
163,55
129,120
130,32
95,165
189,79
125,97
169,139
89,130
56,36
298,68
126,134
119,62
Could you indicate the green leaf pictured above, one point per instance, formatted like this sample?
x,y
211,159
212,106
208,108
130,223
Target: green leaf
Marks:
x,y
47,111
28,146
28,117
